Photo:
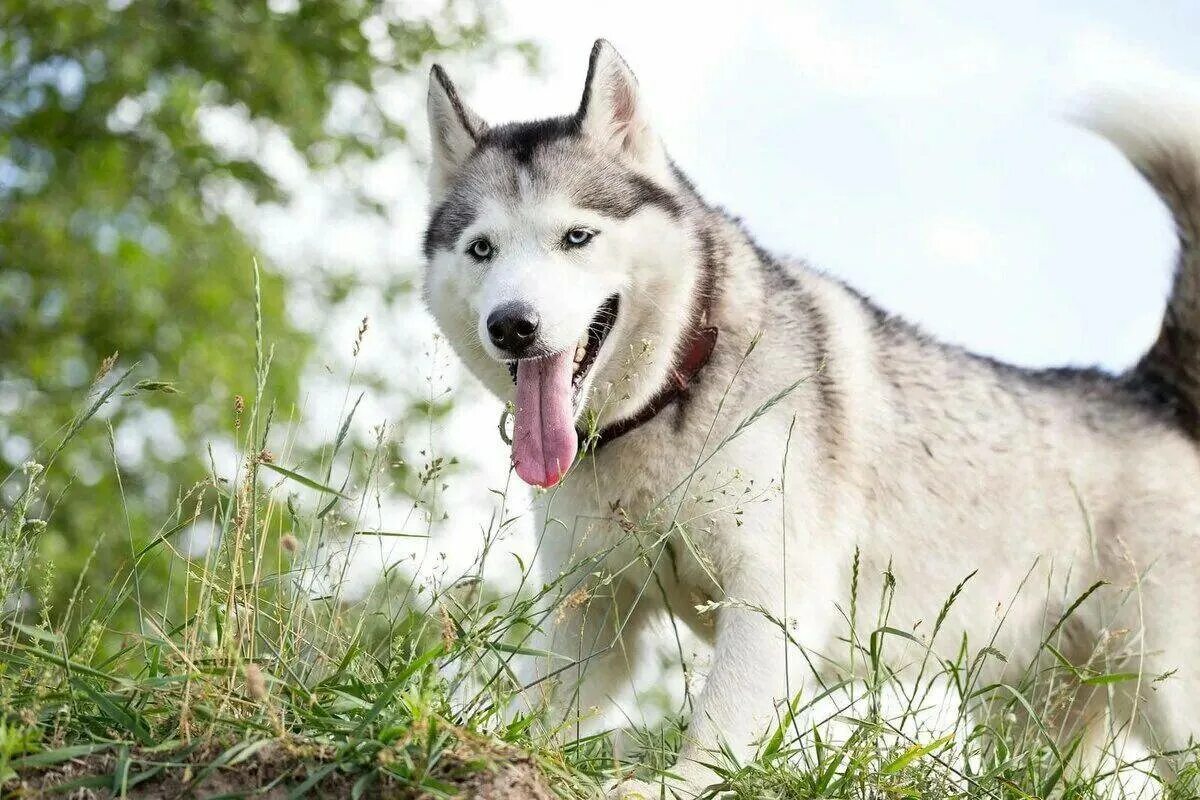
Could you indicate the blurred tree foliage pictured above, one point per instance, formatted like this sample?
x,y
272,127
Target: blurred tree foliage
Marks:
x,y
111,241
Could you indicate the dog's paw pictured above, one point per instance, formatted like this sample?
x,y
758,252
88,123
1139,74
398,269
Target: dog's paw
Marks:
x,y
668,789
685,781
634,790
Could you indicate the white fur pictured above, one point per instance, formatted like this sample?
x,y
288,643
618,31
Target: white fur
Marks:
x,y
1145,124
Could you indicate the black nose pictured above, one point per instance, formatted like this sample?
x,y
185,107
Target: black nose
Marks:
x,y
512,327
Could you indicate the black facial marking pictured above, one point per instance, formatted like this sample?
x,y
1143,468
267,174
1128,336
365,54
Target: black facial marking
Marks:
x,y
521,140
603,186
597,184
449,221
622,194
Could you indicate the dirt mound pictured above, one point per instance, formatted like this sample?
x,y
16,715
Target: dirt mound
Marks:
x,y
271,773
518,779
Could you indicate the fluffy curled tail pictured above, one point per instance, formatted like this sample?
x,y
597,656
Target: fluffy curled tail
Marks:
x,y
1162,140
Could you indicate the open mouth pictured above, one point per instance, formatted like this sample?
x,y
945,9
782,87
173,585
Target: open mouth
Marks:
x,y
548,395
588,346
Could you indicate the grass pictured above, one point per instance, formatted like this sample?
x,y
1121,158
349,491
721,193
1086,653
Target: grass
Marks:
x,y
251,676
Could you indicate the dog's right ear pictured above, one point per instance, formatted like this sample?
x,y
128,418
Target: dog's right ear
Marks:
x,y
454,131
612,113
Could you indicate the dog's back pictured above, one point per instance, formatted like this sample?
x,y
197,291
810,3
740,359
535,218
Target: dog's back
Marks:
x,y
961,463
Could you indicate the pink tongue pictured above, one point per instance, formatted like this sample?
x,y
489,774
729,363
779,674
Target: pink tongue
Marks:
x,y
544,439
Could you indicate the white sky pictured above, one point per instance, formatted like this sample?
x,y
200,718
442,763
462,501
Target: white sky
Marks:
x,y
916,149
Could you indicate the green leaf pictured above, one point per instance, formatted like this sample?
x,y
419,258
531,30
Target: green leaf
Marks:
x,y
389,690
313,779
130,720
162,537
37,633
776,741
362,784
1112,677
524,651
248,751
304,481
166,387
915,752
48,757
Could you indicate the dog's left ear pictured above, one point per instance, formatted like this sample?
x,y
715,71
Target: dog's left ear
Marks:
x,y
611,112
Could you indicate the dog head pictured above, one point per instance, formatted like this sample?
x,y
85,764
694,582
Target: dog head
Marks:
x,y
552,247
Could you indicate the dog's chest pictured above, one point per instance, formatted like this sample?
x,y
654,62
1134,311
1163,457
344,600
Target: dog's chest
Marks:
x,y
656,509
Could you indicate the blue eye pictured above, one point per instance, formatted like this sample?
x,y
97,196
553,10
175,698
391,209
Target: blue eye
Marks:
x,y
481,250
578,237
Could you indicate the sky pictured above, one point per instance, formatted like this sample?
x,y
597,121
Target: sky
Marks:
x,y
921,151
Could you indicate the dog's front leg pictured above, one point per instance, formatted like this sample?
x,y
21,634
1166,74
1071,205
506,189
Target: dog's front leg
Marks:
x,y
755,667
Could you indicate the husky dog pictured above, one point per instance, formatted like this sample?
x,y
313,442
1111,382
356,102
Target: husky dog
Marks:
x,y
719,424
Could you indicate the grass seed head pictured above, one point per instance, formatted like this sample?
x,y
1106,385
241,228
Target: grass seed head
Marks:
x,y
358,338
106,367
449,631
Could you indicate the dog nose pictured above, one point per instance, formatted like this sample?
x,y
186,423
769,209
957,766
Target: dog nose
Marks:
x,y
512,327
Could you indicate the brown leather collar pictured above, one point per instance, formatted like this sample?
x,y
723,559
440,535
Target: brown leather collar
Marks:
x,y
697,350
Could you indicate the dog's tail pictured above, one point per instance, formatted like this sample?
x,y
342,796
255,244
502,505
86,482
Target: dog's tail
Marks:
x,y
1162,140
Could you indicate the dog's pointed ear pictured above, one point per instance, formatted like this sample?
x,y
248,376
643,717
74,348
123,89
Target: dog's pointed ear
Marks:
x,y
611,112
454,130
